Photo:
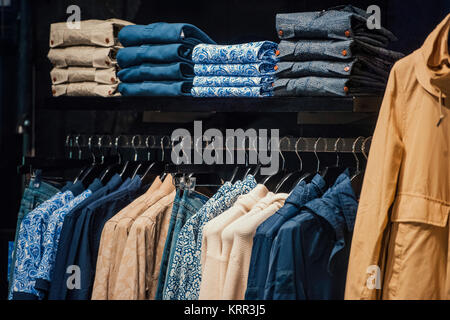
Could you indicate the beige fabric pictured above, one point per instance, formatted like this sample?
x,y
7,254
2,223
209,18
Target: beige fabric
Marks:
x,y
106,252
101,33
83,56
81,74
212,242
85,89
138,274
235,283
407,183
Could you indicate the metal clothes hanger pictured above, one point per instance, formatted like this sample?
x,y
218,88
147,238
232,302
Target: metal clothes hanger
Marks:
x,y
272,181
113,168
130,166
164,174
331,173
83,170
358,177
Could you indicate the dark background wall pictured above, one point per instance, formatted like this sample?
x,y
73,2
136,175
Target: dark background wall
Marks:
x,y
226,21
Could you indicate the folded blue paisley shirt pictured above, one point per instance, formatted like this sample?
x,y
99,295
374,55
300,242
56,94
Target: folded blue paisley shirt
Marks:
x,y
253,52
265,82
230,92
242,70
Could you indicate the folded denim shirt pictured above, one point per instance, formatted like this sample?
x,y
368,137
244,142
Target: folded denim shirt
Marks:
x,y
165,53
101,33
265,82
83,56
82,74
156,88
253,52
339,23
243,70
248,92
85,89
326,86
359,66
306,50
162,32
156,72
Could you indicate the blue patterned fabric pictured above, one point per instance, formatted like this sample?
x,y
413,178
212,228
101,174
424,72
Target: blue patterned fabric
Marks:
x,y
52,236
249,92
30,249
184,277
253,52
162,32
242,70
265,82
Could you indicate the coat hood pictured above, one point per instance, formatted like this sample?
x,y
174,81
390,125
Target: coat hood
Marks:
x,y
432,63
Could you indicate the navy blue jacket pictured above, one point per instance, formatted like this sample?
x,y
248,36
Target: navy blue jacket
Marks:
x,y
310,254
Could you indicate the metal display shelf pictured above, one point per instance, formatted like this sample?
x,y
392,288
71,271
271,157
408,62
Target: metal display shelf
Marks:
x,y
190,104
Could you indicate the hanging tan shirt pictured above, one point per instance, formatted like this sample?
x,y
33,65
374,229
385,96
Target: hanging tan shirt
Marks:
x,y
212,242
106,251
138,274
81,74
102,33
235,283
82,56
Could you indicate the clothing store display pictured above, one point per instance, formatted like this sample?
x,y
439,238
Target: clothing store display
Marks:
x,y
157,59
401,239
87,89
241,70
332,53
100,33
83,56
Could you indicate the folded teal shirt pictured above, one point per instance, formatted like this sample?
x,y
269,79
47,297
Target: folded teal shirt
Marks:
x,y
157,72
165,53
162,32
156,88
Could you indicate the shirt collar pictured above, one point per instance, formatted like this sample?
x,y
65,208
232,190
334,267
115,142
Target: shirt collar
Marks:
x,y
94,186
304,192
114,182
77,188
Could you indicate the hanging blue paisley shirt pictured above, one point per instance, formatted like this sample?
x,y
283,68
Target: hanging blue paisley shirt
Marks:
x,y
30,248
184,277
51,241
265,82
241,70
248,92
252,52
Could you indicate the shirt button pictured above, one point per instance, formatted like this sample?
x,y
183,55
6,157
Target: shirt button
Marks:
x,y
347,69
109,92
280,32
113,79
107,62
107,40
54,79
344,52
277,52
52,42
275,68
54,91
347,33
345,89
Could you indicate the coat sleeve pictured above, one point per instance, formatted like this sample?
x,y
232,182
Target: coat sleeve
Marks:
x,y
377,196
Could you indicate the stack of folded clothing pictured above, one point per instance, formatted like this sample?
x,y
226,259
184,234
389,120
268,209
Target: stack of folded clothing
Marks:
x,y
157,59
242,70
332,53
84,59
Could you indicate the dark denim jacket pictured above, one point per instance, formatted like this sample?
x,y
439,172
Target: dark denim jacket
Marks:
x,y
310,254
326,86
162,32
340,23
156,88
360,66
157,72
165,53
307,50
